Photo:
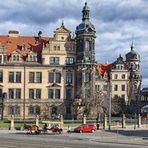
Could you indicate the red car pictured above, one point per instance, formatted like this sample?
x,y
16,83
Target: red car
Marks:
x,y
86,128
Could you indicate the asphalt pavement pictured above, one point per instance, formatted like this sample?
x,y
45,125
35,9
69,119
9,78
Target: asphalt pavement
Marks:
x,y
123,138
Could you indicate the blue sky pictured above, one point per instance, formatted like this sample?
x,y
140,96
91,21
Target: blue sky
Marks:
x,y
116,22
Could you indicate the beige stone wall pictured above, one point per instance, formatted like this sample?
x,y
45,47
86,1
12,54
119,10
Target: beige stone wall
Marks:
x,y
43,86
60,39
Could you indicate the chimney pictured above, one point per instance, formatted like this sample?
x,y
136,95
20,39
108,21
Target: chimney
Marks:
x,y
13,33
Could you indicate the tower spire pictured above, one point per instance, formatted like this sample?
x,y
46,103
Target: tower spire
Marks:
x,y
62,23
85,12
132,45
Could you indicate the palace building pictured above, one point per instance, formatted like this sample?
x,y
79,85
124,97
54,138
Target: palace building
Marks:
x,y
45,75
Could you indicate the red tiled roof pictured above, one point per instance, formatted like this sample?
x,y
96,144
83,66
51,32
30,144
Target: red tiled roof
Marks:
x,y
102,68
31,43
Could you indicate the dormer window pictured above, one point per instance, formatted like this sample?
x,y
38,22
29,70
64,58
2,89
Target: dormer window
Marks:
x,y
16,57
32,58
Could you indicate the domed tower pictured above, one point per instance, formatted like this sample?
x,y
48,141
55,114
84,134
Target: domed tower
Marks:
x,y
133,62
85,57
85,38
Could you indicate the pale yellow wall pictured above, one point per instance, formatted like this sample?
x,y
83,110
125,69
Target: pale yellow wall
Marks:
x,y
43,86
120,81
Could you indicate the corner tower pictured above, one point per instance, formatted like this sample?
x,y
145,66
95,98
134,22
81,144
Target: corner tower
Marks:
x,y
133,63
85,57
85,38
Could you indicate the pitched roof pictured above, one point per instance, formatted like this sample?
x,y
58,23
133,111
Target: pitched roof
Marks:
x,y
104,68
31,43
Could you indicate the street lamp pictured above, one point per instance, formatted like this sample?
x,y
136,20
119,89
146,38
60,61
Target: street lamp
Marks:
x,y
110,105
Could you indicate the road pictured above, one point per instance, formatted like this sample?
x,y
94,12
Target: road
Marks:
x,y
73,140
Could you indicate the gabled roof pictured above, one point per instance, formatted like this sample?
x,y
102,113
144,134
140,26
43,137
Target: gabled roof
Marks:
x,y
62,29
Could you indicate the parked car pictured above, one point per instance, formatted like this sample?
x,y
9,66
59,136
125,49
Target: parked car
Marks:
x,y
86,128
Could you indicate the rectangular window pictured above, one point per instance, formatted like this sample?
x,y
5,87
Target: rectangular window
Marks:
x,y
11,77
115,87
38,93
97,87
1,59
57,93
11,93
35,77
1,77
58,48
38,77
18,93
54,60
58,77
123,76
123,87
69,94
69,60
68,110
31,93
55,48
104,87
14,110
34,93
50,77
115,76
31,77
68,77
18,77
50,93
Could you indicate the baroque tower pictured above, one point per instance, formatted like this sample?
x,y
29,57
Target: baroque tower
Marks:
x,y
133,63
85,57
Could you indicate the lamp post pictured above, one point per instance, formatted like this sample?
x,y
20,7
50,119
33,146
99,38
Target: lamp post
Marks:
x,y
110,106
